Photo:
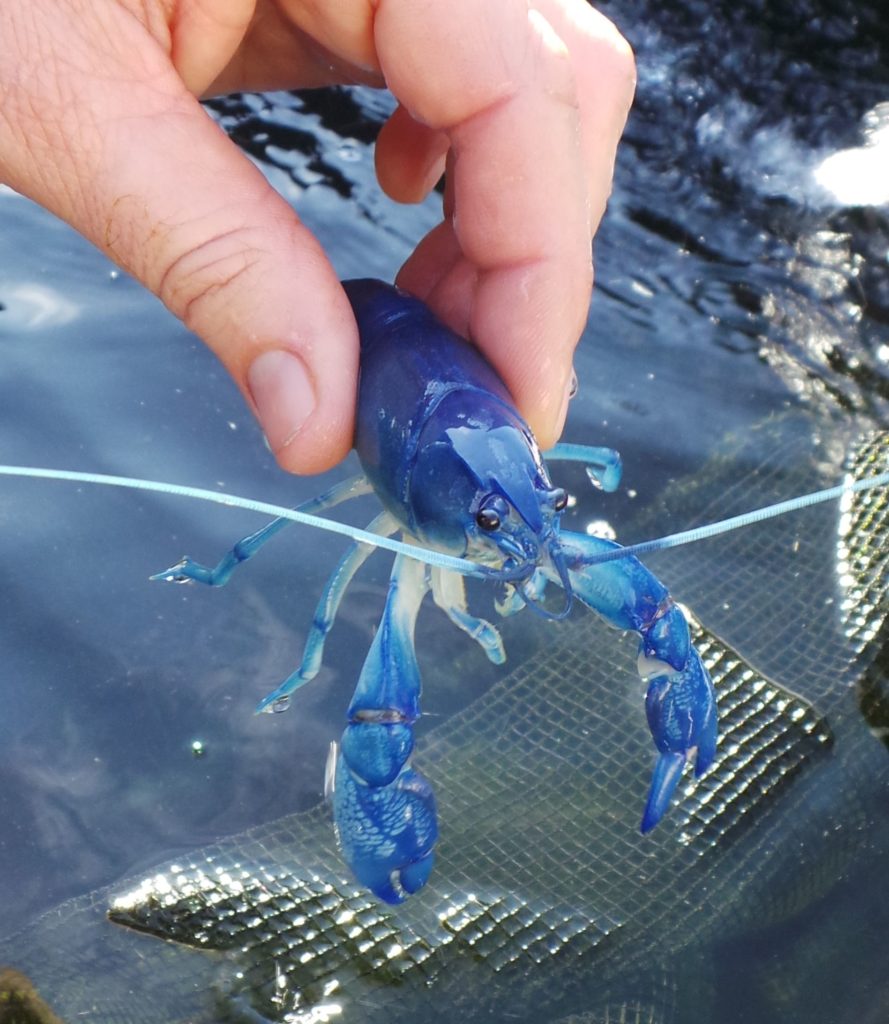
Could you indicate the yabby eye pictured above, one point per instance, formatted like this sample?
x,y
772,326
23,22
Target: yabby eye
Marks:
x,y
491,513
560,499
487,520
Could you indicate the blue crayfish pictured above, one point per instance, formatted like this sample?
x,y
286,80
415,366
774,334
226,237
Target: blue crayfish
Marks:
x,y
458,471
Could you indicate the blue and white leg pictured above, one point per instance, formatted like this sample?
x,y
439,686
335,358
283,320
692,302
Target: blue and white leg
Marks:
x,y
680,704
385,810
603,465
449,593
187,570
325,614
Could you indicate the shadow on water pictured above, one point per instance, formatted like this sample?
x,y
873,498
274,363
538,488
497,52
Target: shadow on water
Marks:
x,y
741,318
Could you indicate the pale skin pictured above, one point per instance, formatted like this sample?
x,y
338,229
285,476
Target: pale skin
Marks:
x,y
523,102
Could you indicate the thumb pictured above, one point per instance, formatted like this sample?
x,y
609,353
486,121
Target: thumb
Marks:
x,y
201,227
136,165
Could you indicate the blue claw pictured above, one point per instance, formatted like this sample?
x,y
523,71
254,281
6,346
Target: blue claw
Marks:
x,y
386,833
665,639
680,703
377,751
681,712
667,772
383,808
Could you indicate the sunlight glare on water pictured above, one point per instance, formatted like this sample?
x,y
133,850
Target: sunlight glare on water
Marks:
x,y
860,176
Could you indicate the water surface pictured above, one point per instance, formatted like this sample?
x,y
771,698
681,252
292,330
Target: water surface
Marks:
x,y
736,279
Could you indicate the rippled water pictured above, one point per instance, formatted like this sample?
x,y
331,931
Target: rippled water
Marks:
x,y
736,277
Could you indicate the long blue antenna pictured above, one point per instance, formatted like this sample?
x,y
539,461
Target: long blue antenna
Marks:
x,y
781,508
436,558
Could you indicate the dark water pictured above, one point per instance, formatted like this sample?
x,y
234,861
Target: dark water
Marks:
x,y
732,283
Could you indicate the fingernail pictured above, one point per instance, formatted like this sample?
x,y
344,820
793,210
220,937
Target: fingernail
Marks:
x,y
569,392
283,394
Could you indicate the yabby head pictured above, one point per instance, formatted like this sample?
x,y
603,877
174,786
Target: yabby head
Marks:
x,y
478,487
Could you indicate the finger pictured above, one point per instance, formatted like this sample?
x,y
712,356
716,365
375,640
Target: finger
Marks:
x,y
201,38
134,163
605,77
499,82
439,273
292,44
409,157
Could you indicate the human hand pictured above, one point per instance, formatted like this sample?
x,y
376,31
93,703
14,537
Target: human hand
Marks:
x,y
524,103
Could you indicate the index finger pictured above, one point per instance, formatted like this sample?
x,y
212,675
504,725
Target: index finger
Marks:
x,y
499,82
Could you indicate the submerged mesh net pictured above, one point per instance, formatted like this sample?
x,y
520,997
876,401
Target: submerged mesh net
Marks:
x,y
545,902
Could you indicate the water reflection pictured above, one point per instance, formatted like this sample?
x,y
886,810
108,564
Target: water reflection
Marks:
x,y
30,306
860,176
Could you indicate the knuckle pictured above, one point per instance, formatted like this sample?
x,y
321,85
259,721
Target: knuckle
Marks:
x,y
621,63
626,61
204,273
